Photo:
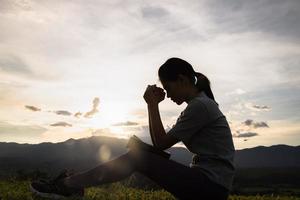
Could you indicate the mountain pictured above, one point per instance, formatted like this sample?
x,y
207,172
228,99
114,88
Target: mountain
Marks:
x,y
76,154
277,156
87,152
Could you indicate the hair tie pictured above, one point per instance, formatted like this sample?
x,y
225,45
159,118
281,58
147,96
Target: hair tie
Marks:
x,y
196,80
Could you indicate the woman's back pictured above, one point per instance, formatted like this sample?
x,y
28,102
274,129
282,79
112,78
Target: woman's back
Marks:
x,y
205,131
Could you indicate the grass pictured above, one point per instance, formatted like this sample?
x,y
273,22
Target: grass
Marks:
x,y
19,190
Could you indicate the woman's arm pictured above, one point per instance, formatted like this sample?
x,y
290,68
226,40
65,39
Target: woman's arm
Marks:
x,y
150,129
160,138
153,96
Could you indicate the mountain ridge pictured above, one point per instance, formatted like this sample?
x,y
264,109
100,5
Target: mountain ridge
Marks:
x,y
89,149
72,139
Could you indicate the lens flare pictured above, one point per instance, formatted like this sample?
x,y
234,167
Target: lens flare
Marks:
x,y
104,153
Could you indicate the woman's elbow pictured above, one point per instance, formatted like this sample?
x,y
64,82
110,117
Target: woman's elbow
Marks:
x,y
165,143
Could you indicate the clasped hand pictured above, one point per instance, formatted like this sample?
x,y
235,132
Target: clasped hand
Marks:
x,y
154,94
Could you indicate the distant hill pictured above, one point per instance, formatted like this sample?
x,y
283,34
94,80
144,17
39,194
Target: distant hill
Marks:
x,y
76,154
87,152
274,156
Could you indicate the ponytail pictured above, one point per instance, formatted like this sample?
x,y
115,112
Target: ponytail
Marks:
x,y
203,84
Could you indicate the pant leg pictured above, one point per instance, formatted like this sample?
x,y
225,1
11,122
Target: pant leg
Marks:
x,y
108,172
182,181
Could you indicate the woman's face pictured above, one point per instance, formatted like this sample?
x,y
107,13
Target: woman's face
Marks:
x,y
174,90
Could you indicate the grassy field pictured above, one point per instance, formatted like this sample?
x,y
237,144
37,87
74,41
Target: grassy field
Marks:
x,y
19,190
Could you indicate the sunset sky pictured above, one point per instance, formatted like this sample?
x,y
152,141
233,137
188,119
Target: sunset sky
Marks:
x,y
73,69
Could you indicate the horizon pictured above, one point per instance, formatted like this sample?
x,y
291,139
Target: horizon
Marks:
x,y
112,137
79,69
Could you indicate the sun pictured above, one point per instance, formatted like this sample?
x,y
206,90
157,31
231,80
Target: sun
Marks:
x,y
109,115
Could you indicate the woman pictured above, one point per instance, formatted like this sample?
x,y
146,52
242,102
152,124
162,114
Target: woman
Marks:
x,y
201,127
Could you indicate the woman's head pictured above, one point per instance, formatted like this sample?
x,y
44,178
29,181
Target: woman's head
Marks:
x,y
178,77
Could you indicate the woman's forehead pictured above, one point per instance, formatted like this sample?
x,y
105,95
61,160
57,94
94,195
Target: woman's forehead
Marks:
x,y
164,83
168,84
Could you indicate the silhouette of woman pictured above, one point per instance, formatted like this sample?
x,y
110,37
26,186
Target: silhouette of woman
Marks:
x,y
201,127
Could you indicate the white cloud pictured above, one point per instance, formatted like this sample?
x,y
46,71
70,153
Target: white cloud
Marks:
x,y
258,108
237,91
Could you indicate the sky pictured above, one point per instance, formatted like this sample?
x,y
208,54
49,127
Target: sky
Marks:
x,y
74,69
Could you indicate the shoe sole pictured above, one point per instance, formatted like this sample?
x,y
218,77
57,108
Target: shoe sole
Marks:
x,y
46,195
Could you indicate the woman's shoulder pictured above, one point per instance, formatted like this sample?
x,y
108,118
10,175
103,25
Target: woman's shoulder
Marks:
x,y
206,105
203,100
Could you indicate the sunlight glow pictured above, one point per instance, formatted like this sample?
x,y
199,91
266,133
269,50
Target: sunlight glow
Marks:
x,y
108,115
118,132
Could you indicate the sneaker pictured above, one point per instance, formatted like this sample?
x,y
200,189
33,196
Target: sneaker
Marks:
x,y
55,189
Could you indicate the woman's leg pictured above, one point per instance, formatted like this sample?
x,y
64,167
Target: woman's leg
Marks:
x,y
108,172
180,180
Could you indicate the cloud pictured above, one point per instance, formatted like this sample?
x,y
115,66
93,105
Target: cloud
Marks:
x,y
102,132
280,18
63,112
154,12
96,102
63,124
261,107
58,112
245,135
237,91
247,128
78,114
89,114
261,125
128,123
241,109
257,107
251,123
32,108
17,131
248,122
14,64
